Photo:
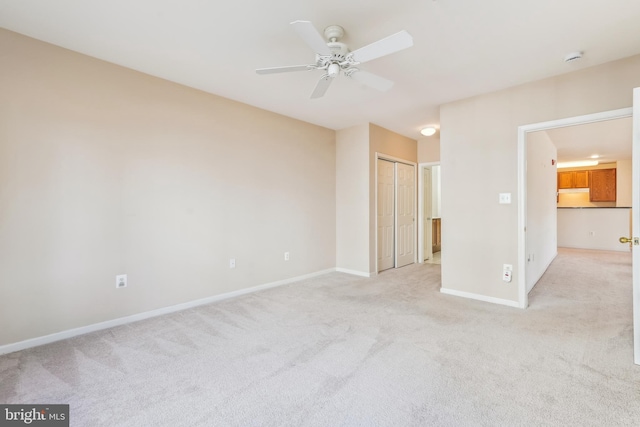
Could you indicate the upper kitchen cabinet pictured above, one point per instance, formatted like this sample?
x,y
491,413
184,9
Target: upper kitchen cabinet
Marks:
x,y
602,186
573,179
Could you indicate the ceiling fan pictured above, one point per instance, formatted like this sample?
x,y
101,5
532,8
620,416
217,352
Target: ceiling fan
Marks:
x,y
334,56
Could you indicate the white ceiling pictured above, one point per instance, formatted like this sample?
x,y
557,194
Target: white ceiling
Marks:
x,y
611,140
461,47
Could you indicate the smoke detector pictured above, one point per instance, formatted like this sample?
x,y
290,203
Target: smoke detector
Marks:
x,y
573,56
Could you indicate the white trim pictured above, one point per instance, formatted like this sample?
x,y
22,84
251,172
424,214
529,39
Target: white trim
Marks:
x,y
394,159
421,167
480,297
353,272
70,333
635,224
523,299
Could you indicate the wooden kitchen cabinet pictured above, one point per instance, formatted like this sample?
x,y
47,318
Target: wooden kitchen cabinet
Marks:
x,y
573,179
565,179
581,179
436,234
602,186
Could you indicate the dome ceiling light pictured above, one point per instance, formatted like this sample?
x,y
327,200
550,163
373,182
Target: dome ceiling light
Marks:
x,y
428,131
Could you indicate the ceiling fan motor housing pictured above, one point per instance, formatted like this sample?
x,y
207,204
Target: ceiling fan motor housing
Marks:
x,y
334,33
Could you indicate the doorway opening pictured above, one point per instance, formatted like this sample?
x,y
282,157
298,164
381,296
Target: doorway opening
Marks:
x,y
526,278
429,214
523,232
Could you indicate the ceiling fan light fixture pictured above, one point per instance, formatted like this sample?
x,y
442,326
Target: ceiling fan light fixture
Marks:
x,y
428,131
333,70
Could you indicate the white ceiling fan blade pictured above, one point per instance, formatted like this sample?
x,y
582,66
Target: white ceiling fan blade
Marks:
x,y
286,69
372,80
322,86
386,46
311,36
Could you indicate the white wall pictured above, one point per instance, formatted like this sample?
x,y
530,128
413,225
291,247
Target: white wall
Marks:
x,y
436,193
479,160
541,206
105,171
593,228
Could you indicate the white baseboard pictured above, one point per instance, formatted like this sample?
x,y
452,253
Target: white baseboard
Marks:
x,y
353,272
480,297
70,333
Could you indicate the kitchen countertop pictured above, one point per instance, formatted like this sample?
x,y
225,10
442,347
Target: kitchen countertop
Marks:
x,y
593,207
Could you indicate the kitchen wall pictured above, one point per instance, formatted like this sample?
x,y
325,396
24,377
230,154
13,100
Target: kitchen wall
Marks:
x,y
600,228
106,171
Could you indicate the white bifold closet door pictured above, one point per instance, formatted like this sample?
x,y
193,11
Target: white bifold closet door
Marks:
x,y
396,214
386,214
405,211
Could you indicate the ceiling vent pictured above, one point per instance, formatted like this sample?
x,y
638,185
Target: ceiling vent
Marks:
x,y
573,56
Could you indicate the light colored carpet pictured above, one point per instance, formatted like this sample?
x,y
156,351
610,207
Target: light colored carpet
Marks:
x,y
343,351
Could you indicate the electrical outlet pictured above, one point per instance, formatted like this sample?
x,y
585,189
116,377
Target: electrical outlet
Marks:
x,y
121,281
592,233
286,256
232,263
507,271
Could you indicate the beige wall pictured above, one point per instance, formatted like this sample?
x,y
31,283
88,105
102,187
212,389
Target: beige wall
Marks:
x,y
429,149
356,191
352,199
105,171
623,183
384,141
479,160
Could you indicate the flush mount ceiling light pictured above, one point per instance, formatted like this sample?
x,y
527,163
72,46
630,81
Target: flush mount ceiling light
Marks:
x,y
578,164
595,156
428,131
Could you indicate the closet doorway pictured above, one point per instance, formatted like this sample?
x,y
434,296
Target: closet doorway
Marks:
x,y
395,213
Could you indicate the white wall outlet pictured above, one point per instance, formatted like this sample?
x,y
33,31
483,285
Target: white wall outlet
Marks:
x,y
121,281
507,272
286,256
592,233
504,198
232,263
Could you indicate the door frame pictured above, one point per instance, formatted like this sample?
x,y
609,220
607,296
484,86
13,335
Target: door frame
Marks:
x,y
523,297
421,230
383,156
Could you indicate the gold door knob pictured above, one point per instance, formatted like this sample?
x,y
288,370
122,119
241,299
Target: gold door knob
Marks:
x,y
625,240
